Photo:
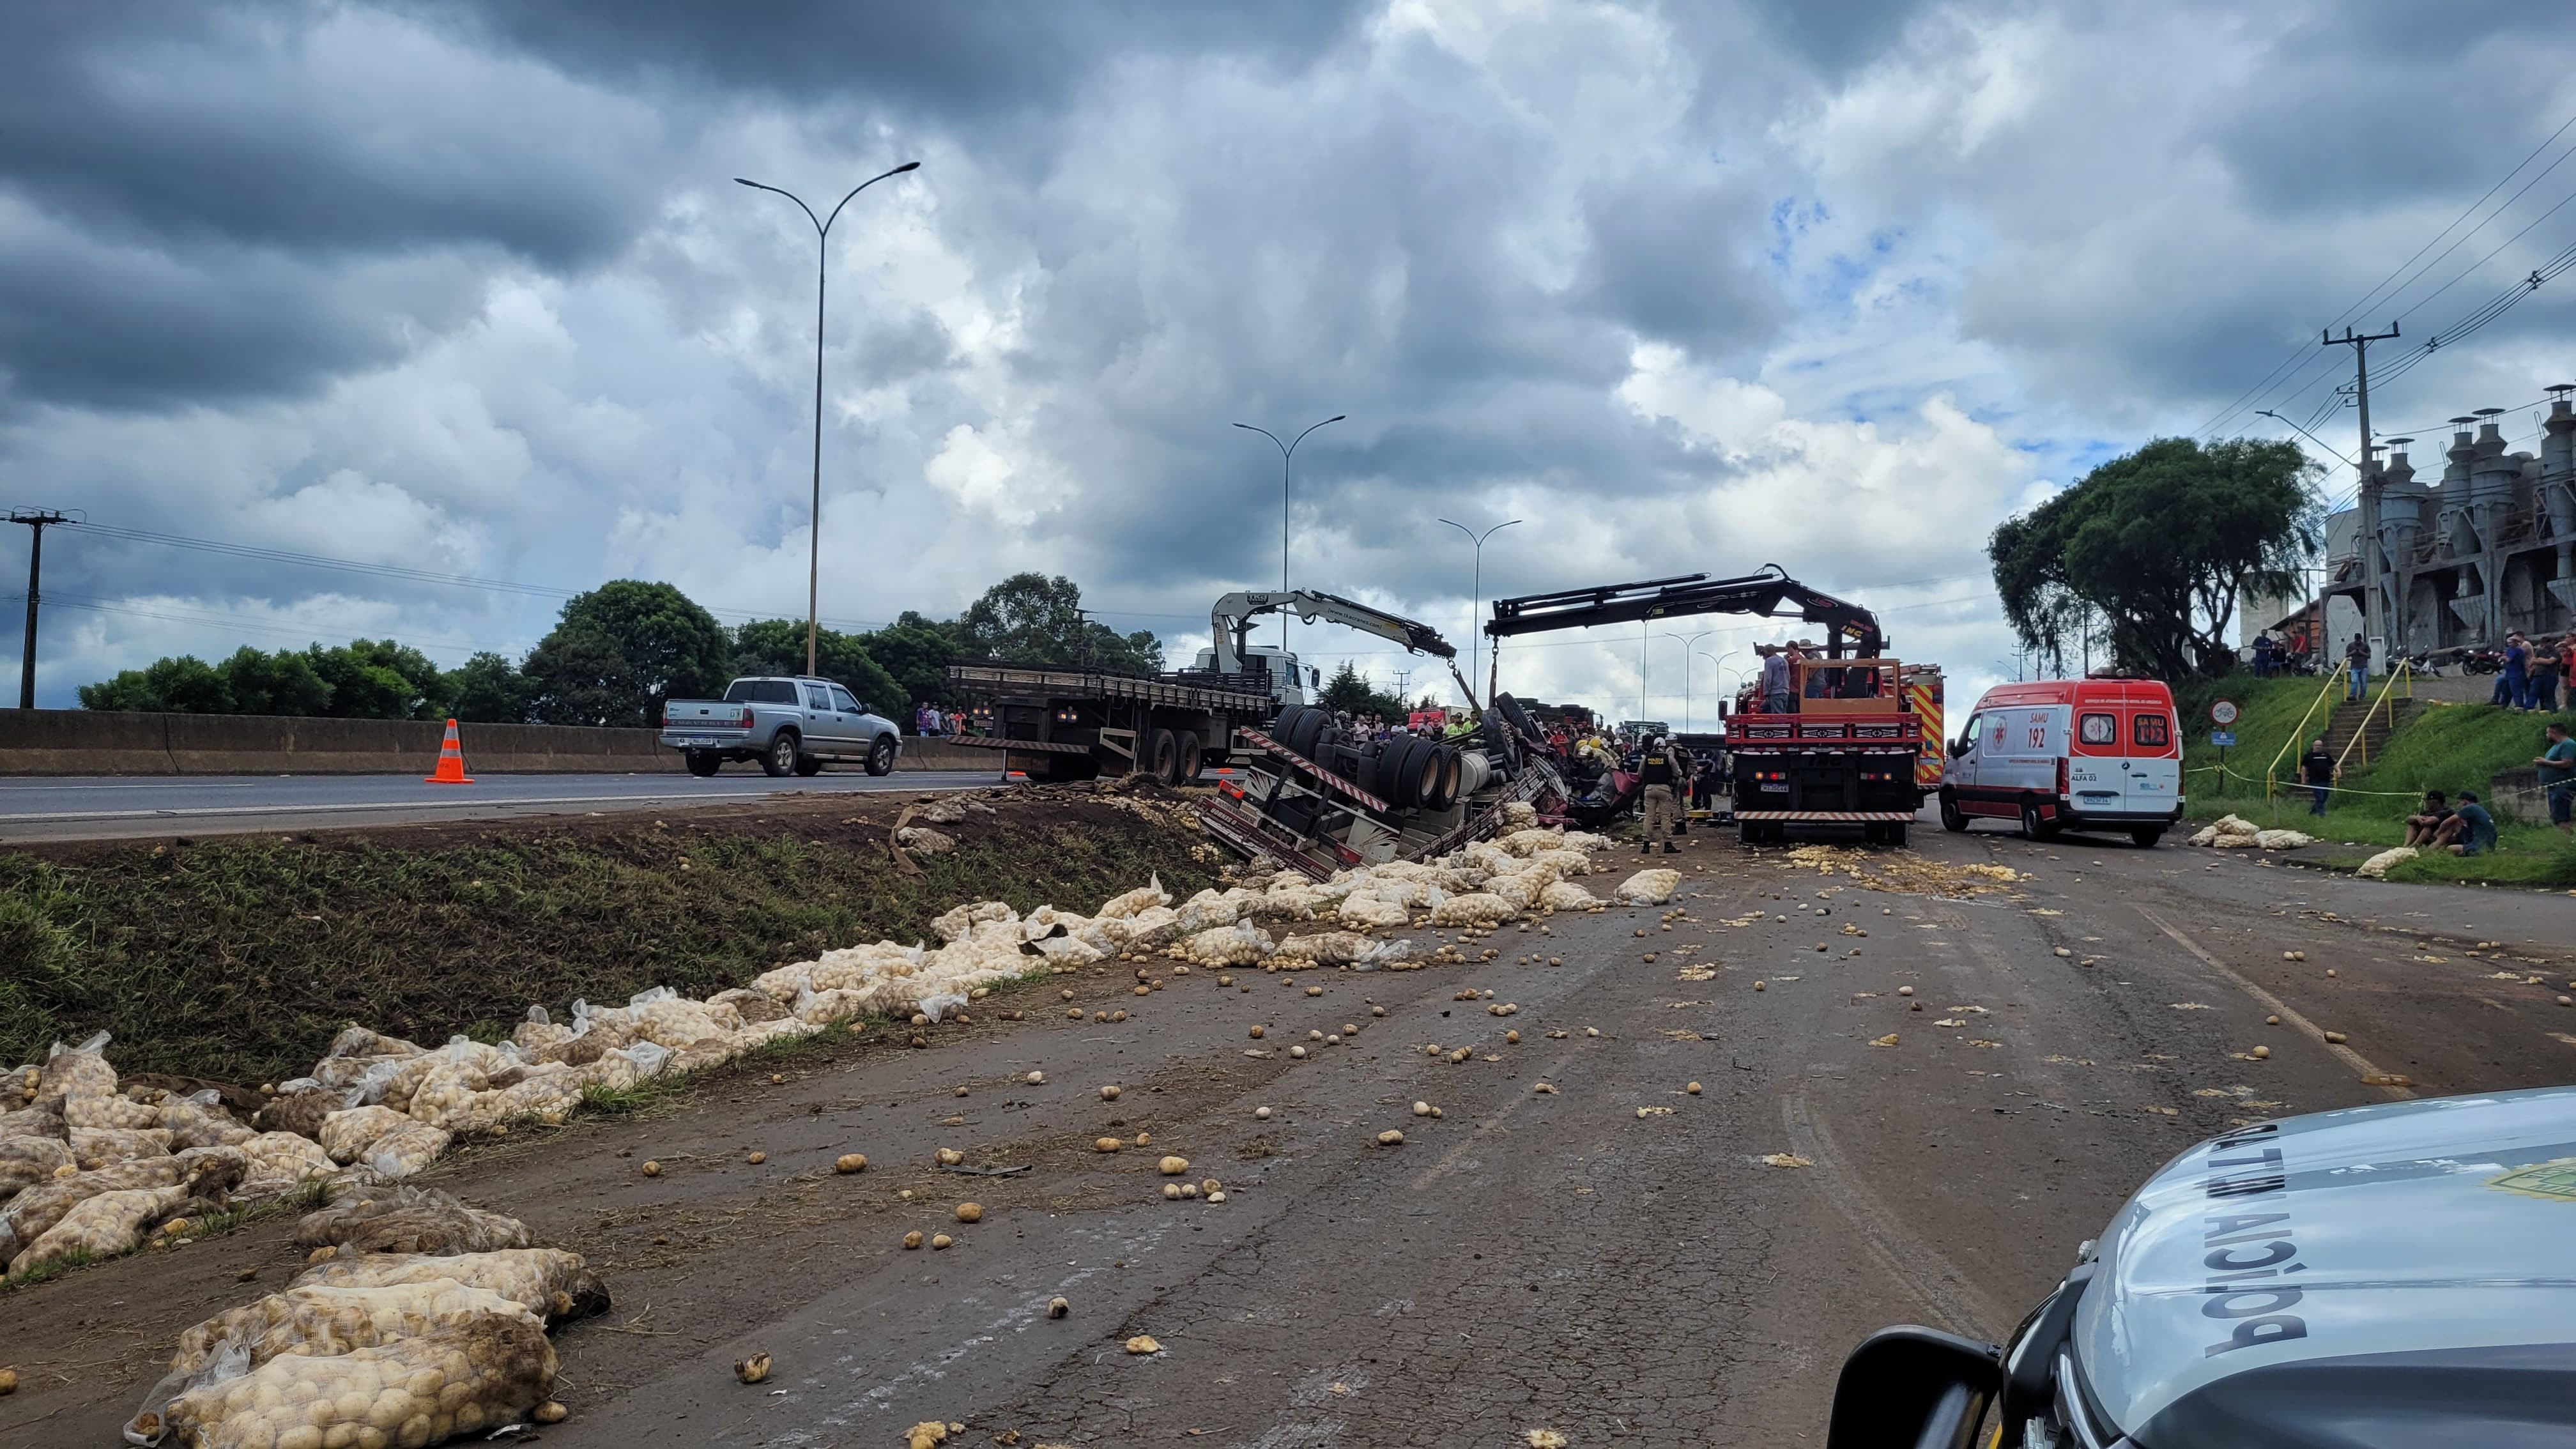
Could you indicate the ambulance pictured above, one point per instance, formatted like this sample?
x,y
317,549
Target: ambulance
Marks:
x,y
2068,754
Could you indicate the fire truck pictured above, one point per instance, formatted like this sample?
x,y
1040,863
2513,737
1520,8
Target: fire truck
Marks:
x,y
1860,741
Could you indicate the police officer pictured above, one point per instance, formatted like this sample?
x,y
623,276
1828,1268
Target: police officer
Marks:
x,y
1660,770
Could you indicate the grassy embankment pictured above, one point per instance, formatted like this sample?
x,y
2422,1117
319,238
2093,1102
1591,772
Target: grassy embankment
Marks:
x,y
238,959
2436,746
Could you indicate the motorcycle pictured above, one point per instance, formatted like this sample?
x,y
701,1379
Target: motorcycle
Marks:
x,y
2424,663
2482,661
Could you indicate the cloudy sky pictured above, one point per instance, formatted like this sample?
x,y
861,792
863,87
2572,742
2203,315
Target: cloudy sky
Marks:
x,y
466,292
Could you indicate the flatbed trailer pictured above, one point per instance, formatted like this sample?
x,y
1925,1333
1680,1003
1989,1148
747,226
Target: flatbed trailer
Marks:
x,y
1073,724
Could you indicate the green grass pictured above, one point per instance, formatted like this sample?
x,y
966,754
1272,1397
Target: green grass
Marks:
x,y
238,959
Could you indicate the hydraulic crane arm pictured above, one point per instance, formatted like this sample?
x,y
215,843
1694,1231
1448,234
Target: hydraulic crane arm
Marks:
x,y
1853,629
1231,623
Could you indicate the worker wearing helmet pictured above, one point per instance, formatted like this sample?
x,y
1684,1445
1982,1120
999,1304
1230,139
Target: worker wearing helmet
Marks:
x,y
1659,769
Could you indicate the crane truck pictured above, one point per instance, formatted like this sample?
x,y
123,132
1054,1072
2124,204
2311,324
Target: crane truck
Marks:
x,y
1853,746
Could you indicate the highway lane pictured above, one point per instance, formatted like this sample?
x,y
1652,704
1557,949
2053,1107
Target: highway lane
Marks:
x,y
62,808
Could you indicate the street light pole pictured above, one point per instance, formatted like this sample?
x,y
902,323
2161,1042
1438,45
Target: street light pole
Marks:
x,y
1688,646
1287,450
822,256
1476,590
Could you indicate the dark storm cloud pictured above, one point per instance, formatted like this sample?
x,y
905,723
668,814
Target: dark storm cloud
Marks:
x,y
956,61
1659,264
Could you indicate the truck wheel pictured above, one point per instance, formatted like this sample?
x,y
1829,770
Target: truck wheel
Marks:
x,y
1896,834
1451,772
2147,835
809,764
703,763
881,756
780,760
1185,766
1953,819
1155,753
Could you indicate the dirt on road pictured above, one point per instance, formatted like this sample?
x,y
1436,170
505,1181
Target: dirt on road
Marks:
x,y
1909,1106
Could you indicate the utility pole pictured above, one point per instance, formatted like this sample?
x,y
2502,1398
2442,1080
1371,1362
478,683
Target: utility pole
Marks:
x,y
2376,623
35,519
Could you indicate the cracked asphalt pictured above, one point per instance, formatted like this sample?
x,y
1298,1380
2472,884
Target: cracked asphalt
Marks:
x,y
1617,1259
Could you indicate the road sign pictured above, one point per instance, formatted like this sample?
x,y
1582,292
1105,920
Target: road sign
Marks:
x,y
2223,712
2221,739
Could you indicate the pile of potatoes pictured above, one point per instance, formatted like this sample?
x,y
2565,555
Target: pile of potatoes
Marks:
x,y
375,1350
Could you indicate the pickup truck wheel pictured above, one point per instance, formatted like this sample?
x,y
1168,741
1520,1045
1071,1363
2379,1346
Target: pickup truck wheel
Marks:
x,y
809,765
779,761
1188,756
703,763
1155,753
881,756
1953,819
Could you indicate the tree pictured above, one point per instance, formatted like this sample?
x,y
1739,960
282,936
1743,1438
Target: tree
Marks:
x,y
181,685
379,679
1350,692
283,683
2160,544
582,677
916,653
1029,618
667,648
777,646
489,689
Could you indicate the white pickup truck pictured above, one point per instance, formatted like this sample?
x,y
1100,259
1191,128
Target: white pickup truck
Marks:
x,y
791,724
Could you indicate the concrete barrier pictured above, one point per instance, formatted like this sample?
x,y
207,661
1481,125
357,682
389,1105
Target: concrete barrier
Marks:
x,y
101,742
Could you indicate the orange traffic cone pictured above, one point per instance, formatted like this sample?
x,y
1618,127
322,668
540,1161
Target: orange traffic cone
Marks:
x,y
451,761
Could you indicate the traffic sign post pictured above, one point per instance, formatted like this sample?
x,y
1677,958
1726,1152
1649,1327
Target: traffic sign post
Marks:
x,y
2223,713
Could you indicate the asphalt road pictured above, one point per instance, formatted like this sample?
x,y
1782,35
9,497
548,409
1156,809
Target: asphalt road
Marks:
x,y
1618,1260
53,808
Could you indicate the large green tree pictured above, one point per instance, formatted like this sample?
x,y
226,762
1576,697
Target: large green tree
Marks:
x,y
489,689
666,647
2158,546
1350,691
379,679
1030,618
916,651
777,646
283,683
183,684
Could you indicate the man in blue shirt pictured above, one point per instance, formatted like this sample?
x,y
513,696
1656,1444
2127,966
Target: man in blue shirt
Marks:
x,y
2557,767
2470,830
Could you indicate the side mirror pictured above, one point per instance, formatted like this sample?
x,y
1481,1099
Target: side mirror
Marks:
x,y
1958,748
1914,1388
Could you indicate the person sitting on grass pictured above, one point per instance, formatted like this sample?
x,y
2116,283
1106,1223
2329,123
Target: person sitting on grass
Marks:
x,y
2470,830
2428,820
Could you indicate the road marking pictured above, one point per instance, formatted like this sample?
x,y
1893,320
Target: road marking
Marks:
x,y
2360,1064
1939,1285
449,803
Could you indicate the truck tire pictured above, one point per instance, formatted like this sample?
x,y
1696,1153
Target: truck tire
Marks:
x,y
1953,819
809,765
703,763
1450,772
779,760
881,756
1310,730
1503,747
1185,766
1155,753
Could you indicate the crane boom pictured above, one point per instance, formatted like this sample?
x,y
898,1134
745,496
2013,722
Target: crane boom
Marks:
x,y
1770,592
1231,624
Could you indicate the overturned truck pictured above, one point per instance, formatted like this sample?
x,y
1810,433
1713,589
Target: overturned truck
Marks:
x,y
1307,794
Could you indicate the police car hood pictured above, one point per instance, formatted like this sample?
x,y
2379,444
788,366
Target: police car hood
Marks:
x,y
2383,1275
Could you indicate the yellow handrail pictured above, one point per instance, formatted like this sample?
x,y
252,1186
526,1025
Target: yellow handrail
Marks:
x,y
2273,770
2361,733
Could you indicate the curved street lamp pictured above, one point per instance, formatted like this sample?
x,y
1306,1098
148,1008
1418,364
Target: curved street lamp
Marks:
x,y
1476,590
822,254
1688,648
1287,450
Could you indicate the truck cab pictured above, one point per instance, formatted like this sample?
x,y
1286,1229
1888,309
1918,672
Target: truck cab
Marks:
x,y
1289,681
2377,1276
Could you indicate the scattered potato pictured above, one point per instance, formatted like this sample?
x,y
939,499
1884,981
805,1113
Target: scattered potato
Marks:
x,y
1143,1343
2260,1053
1256,1033
941,1242
1173,1166
913,1239
1037,1079
550,1412
1390,1138
849,1162
1058,1307
652,1168
970,1212
752,1370
1106,1144
1693,1089
950,1157
1261,1114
